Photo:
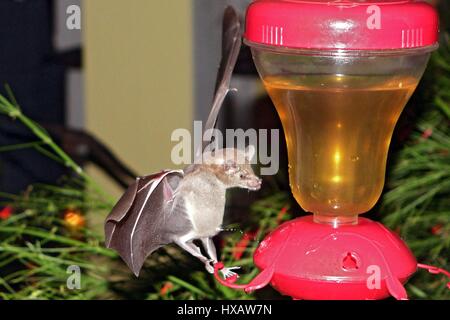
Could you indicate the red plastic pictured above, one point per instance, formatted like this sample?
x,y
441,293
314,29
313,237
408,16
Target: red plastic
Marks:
x,y
308,260
435,270
345,24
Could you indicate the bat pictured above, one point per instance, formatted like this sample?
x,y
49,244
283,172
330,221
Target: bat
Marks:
x,y
179,206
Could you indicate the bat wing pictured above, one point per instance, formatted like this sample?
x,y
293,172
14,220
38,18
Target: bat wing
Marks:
x,y
136,225
231,45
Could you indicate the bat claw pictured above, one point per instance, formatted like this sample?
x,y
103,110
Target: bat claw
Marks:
x,y
229,273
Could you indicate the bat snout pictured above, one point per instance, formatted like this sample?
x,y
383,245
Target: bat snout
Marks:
x,y
254,183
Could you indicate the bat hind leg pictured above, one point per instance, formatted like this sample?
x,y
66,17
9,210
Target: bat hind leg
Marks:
x,y
186,244
210,248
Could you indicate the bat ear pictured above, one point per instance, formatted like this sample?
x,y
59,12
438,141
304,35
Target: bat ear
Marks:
x,y
250,152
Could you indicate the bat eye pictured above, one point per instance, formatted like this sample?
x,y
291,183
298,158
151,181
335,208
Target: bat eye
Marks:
x,y
242,176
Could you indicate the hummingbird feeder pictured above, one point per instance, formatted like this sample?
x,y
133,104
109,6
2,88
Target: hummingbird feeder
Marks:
x,y
339,74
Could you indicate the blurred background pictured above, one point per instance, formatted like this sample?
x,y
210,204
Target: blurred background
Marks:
x,y
135,71
111,93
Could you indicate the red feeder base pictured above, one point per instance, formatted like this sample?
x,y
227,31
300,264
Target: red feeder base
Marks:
x,y
308,260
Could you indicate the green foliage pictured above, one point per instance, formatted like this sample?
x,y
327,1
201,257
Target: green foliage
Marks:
x,y
37,246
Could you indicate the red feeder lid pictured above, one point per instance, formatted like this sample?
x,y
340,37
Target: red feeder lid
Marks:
x,y
342,24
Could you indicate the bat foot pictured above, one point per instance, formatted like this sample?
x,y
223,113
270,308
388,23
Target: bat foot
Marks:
x,y
209,267
229,273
